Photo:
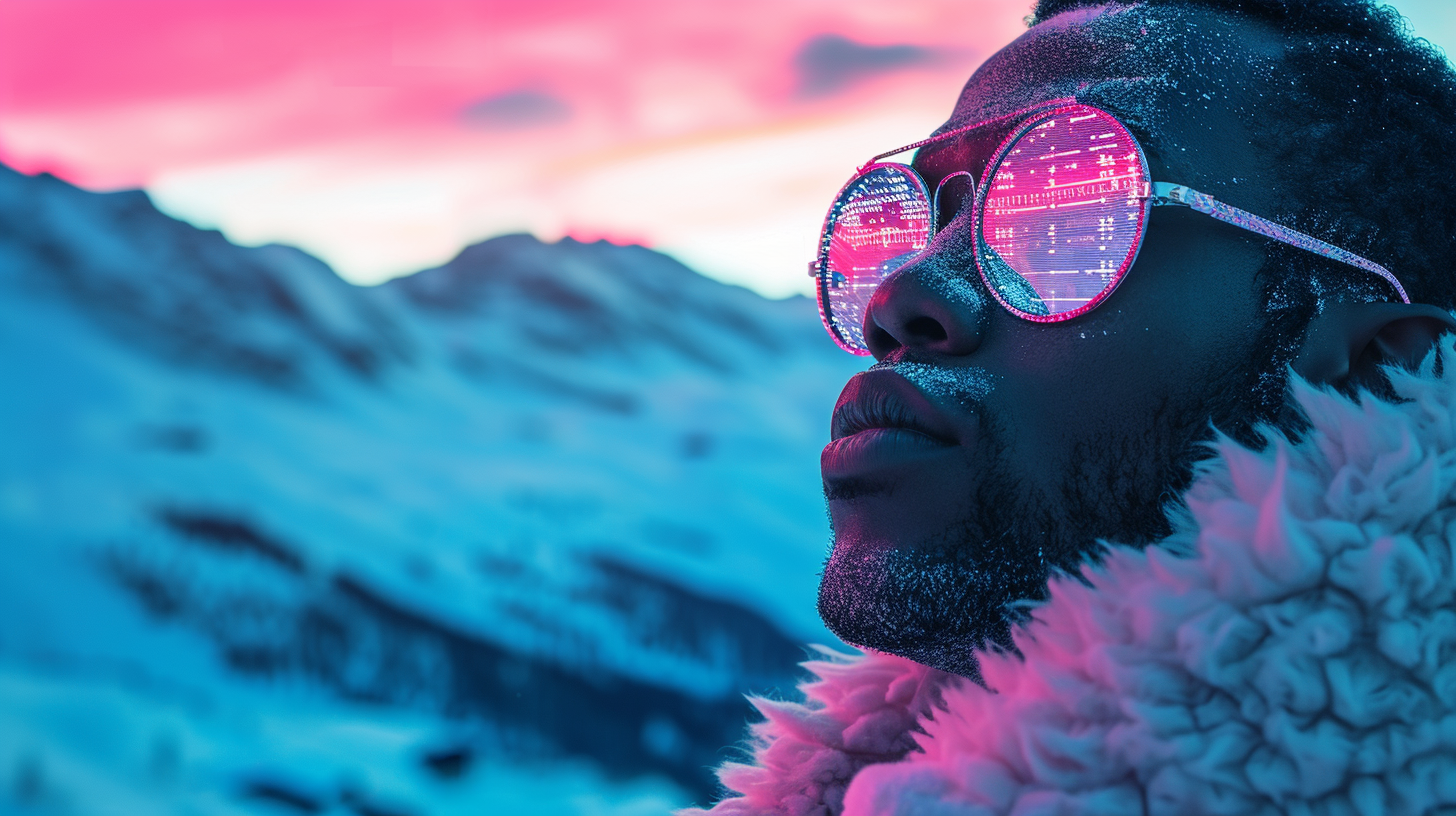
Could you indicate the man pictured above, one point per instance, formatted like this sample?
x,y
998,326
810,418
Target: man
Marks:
x,y
1262,621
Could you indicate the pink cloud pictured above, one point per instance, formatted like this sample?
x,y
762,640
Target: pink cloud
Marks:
x,y
145,92
270,74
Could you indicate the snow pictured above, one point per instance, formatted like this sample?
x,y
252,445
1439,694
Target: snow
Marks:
x,y
99,744
240,498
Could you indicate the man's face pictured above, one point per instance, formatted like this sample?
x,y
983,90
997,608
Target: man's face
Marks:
x,y
1035,440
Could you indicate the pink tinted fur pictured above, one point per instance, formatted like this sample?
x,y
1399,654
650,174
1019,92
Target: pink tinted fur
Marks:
x,y
1291,648
861,711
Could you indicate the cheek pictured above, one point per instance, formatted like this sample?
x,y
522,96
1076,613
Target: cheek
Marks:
x,y
1185,316
1194,292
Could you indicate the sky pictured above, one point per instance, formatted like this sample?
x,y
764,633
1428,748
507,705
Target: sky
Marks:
x,y
386,135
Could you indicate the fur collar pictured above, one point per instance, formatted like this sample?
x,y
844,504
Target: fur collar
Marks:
x,y
1299,657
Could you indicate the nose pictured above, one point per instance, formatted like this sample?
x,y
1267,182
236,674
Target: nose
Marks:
x,y
934,303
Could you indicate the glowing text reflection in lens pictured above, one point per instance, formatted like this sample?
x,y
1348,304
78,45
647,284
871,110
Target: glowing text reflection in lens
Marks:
x,y
1063,214
880,221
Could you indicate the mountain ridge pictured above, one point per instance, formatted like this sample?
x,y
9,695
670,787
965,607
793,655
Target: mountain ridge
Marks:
x,y
579,463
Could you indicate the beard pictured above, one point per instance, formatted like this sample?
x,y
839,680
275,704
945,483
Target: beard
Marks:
x,y
942,600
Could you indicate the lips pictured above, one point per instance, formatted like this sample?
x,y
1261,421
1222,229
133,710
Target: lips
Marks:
x,y
883,421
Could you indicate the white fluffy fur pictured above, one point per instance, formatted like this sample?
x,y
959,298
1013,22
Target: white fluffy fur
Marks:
x,y
1299,658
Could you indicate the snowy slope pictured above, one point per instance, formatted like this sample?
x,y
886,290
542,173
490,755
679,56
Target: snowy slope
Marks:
x,y
540,514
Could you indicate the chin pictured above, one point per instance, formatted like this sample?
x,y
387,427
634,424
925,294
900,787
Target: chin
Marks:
x,y
936,602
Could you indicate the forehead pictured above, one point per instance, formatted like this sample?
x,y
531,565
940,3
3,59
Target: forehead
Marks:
x,y
1058,58
1187,82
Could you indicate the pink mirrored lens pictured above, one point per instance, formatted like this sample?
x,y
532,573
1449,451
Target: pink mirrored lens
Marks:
x,y
1063,215
880,220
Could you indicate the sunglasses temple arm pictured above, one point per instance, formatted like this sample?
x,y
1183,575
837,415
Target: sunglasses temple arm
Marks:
x,y
1164,194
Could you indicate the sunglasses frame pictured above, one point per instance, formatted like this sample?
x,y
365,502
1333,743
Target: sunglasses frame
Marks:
x,y
1154,194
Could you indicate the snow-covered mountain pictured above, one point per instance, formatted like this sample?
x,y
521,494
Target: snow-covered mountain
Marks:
x,y
514,533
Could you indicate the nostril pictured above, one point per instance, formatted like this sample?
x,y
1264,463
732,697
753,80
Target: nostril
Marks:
x,y
926,329
877,338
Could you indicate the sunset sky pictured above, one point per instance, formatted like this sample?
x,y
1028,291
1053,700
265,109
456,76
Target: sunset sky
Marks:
x,y
384,135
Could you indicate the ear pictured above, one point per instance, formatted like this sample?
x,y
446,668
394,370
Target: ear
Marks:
x,y
1348,342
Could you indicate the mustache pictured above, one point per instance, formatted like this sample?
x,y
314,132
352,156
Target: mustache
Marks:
x,y
962,387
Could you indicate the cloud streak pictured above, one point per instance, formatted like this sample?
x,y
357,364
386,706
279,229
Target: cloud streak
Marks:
x,y
830,62
517,109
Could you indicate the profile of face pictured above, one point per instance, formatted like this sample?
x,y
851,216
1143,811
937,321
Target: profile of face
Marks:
x,y
983,450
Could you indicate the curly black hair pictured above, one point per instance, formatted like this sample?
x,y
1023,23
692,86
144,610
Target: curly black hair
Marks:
x,y
1367,117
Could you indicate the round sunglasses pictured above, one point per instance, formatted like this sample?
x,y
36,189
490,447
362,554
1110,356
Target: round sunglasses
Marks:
x,y
1059,216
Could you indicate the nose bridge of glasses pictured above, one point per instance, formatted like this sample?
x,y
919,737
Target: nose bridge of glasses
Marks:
x,y
948,202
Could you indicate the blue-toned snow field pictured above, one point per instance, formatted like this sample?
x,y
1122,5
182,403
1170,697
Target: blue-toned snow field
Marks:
x,y
512,535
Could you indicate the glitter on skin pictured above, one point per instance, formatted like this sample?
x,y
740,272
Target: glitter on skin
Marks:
x,y
962,387
956,289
